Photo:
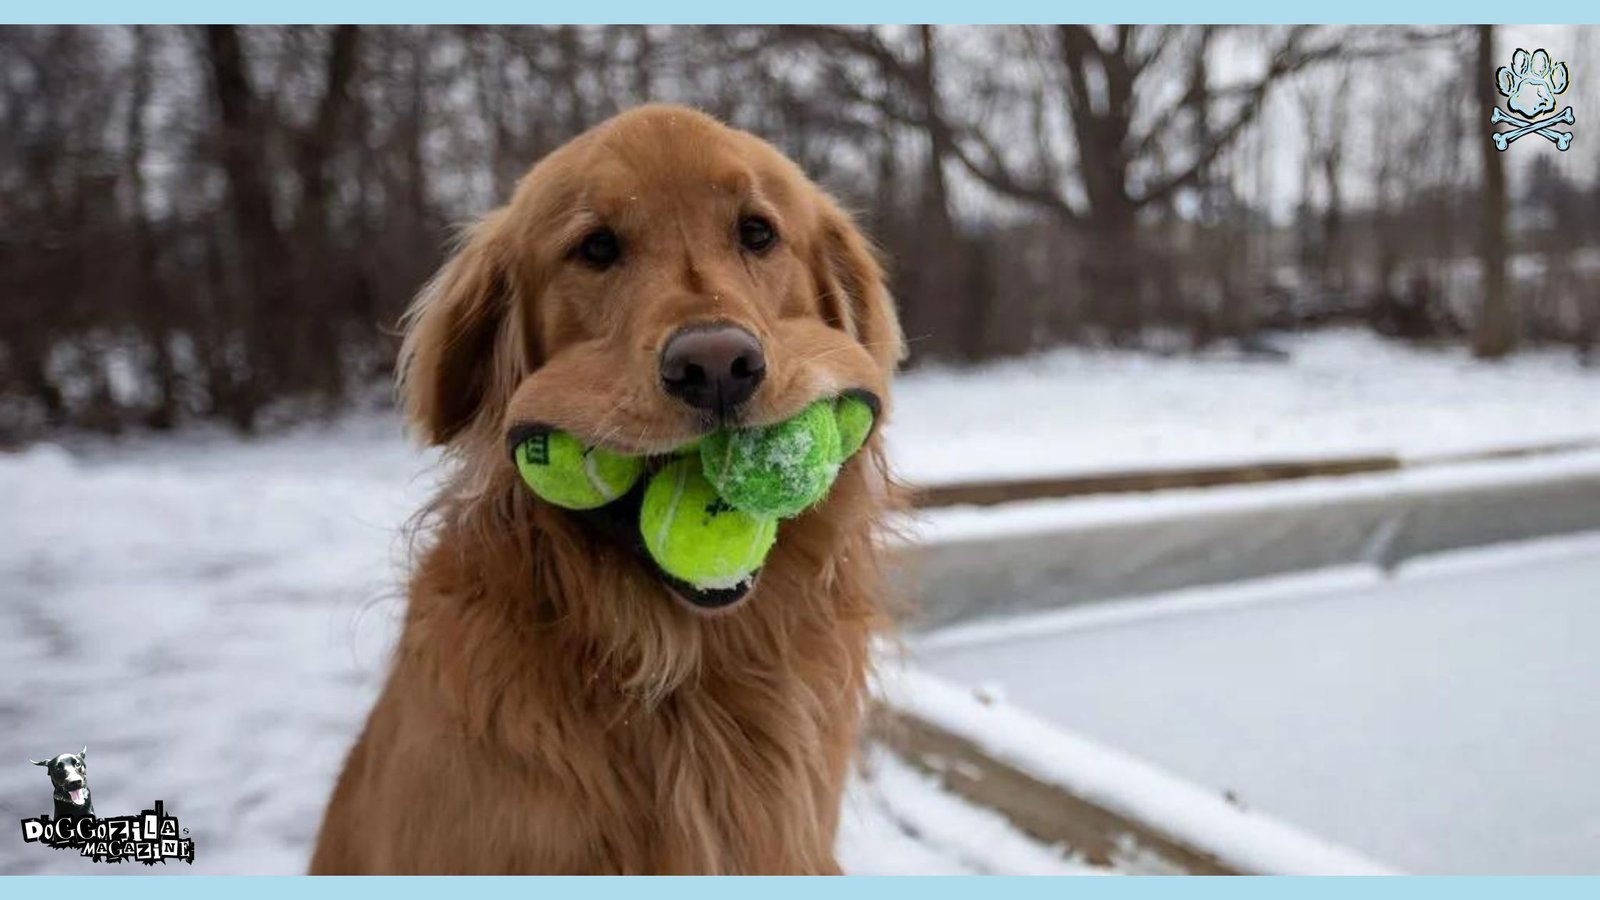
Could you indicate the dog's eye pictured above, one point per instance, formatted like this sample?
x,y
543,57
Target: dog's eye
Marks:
x,y
756,233
600,248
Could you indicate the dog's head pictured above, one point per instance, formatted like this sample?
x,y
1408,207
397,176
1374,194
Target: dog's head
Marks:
x,y
69,775
657,277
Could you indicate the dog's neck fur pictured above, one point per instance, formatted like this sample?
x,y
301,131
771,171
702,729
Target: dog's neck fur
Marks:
x,y
766,698
601,621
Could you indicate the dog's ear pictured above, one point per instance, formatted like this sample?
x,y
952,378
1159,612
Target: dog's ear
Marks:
x,y
450,333
84,756
38,763
855,296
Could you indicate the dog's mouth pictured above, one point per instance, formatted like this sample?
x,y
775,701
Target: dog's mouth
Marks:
x,y
77,795
619,522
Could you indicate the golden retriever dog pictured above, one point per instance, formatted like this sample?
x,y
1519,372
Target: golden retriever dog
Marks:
x,y
556,703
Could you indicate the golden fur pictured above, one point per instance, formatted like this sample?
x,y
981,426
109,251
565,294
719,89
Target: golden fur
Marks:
x,y
553,708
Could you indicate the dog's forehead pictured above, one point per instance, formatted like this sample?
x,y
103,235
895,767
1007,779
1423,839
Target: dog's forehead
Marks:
x,y
641,165
662,169
668,155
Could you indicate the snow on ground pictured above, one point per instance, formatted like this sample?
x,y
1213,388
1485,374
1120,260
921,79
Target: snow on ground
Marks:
x,y
1339,393
898,821
211,616
211,622
213,619
1441,720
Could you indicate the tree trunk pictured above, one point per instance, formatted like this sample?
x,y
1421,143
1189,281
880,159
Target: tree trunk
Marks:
x,y
322,292
151,304
317,145
264,298
1111,268
949,311
1495,334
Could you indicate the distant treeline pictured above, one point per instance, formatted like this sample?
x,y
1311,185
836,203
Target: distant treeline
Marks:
x,y
221,222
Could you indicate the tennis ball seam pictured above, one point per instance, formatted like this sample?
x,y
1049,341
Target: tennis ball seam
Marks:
x,y
672,507
596,480
750,562
703,548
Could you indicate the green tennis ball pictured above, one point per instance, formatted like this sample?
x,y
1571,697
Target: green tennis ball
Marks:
x,y
855,423
559,468
695,536
780,470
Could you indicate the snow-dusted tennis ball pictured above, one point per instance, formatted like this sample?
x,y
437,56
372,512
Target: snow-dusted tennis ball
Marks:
x,y
855,423
559,468
780,470
694,535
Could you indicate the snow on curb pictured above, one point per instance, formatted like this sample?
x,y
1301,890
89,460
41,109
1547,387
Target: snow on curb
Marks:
x,y
898,821
967,564
1123,786
1033,517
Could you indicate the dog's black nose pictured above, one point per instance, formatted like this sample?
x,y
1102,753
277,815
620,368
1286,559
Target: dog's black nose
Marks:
x,y
713,368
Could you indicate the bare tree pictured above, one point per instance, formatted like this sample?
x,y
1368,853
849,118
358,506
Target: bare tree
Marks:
x,y
1122,132
224,221
1325,112
1495,333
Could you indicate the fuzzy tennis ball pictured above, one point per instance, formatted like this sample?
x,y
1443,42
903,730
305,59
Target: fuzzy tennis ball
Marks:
x,y
696,536
780,470
855,423
559,468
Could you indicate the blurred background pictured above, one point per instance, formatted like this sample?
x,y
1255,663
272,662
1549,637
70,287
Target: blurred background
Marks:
x,y
1253,412
213,223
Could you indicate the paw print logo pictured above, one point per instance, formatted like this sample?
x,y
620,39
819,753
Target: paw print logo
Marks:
x,y
1532,82
1530,85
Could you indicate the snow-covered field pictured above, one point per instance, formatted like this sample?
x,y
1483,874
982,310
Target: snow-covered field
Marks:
x,y
211,616
1441,720
212,621
1340,393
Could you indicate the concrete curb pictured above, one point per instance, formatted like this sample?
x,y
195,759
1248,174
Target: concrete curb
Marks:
x,y
974,563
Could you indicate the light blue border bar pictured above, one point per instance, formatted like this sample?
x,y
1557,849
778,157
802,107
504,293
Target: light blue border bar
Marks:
x,y
771,12
139,888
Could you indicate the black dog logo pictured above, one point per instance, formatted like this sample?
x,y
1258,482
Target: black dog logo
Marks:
x,y
69,774
150,837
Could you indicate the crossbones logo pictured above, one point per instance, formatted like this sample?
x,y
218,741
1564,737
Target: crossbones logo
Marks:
x,y
1530,85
